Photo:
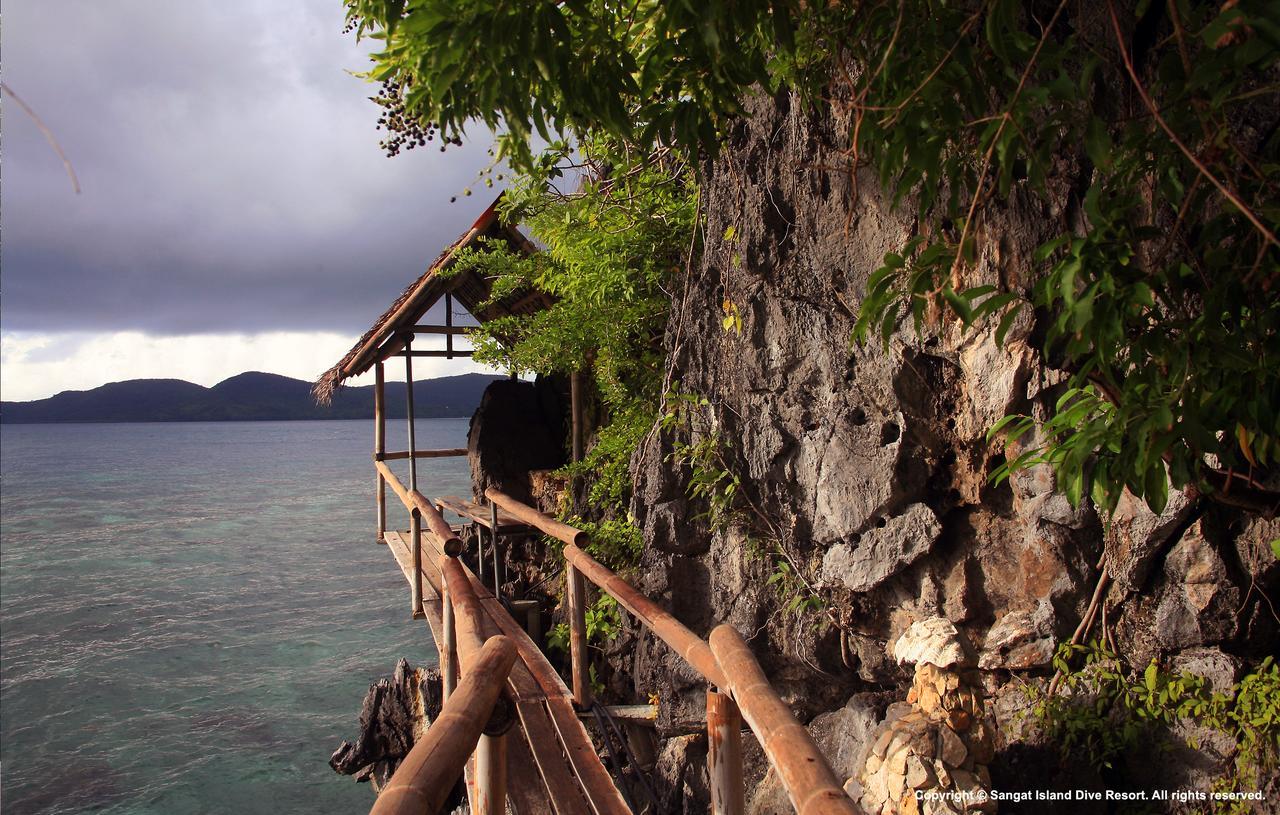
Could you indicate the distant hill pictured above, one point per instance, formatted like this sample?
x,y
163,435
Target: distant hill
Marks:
x,y
249,396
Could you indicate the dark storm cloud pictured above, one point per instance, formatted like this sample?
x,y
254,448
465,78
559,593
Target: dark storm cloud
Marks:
x,y
231,174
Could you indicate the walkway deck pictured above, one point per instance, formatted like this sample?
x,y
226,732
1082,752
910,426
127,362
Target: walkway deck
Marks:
x,y
552,765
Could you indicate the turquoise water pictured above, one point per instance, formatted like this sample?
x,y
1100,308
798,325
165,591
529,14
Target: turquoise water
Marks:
x,y
190,613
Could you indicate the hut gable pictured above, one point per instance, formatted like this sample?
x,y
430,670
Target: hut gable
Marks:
x,y
470,288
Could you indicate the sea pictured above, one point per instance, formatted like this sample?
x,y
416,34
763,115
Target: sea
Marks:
x,y
191,613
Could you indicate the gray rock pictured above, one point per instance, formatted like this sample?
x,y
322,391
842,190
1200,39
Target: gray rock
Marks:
x,y
882,552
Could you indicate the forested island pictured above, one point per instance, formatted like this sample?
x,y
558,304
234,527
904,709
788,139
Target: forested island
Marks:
x,y
250,396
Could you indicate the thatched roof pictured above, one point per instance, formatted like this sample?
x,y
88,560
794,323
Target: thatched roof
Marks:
x,y
470,288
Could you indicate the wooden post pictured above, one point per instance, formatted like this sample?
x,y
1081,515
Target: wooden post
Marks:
x,y
803,770
415,533
380,446
425,777
408,395
448,648
724,754
576,591
491,776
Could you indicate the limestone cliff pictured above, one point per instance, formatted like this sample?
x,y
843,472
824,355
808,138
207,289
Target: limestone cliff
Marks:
x,y
867,466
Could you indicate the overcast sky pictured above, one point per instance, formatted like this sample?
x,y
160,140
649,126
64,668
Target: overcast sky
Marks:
x,y
236,212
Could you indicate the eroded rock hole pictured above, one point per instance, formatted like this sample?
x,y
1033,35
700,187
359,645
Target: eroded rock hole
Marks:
x,y
890,433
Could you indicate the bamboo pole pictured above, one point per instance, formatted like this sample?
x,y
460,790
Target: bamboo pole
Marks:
x,y
380,446
497,555
425,777
724,755
415,540
468,613
402,454
524,512
408,395
448,323
449,647
576,591
491,776
414,500
657,619
808,779
661,622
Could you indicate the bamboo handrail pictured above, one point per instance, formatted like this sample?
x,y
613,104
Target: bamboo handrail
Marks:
x,y
727,663
403,454
657,619
423,780
684,642
468,614
414,500
808,779
548,525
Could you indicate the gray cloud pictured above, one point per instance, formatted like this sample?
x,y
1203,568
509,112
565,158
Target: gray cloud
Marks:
x,y
231,174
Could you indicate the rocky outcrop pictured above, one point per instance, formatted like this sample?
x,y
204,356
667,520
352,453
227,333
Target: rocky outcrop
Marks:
x,y
868,465
518,428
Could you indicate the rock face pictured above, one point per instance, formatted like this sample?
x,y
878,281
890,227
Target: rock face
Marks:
x,y
395,714
868,465
518,428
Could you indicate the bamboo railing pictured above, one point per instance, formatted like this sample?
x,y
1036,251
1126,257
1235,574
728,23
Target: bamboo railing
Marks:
x,y
739,689
425,777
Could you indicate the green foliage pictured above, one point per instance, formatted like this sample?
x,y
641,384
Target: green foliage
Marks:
x,y
1157,300
796,594
711,479
644,71
616,543
606,466
610,248
1104,710
604,622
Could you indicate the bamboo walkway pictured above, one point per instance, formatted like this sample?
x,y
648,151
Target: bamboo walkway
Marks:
x,y
552,766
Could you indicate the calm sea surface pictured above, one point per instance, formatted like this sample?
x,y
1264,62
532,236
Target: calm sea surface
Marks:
x,y
190,613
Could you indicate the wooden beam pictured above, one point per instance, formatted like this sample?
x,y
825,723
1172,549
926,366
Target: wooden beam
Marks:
x,y
425,776
674,633
805,774
639,714
456,330
657,619
440,354
448,322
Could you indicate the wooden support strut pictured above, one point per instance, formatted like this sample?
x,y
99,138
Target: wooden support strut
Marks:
x,y
425,776
805,774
